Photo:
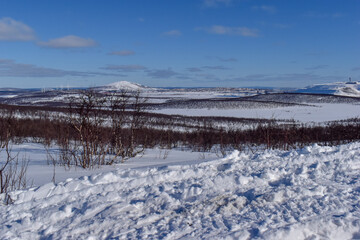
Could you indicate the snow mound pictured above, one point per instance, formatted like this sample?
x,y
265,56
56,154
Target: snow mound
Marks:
x,y
124,85
350,89
312,193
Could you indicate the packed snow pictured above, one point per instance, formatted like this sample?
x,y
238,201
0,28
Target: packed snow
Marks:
x,y
311,193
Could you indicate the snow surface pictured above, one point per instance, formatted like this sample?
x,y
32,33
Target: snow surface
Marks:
x,y
312,193
319,112
8,96
40,172
338,88
125,85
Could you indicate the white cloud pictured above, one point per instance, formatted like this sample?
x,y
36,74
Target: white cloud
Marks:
x,y
215,3
70,41
122,53
11,30
266,8
223,30
174,33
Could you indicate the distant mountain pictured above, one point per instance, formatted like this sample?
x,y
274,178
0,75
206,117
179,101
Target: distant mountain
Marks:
x,y
350,89
124,85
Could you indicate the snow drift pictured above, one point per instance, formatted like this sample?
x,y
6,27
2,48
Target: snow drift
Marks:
x,y
310,193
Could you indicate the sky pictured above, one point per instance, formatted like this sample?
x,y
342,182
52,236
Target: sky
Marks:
x,y
178,43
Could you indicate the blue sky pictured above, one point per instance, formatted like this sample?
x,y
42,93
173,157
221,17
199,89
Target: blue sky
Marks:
x,y
230,43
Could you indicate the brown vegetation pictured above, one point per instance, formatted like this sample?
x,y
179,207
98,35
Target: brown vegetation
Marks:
x,y
96,129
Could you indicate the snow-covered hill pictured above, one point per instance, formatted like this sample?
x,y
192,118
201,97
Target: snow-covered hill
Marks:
x,y
312,193
124,85
350,89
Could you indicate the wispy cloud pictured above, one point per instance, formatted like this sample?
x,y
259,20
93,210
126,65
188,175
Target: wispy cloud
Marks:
x,y
9,68
313,14
226,59
275,25
356,69
317,67
216,3
215,67
12,30
125,68
317,53
70,41
223,30
207,77
266,8
162,73
221,59
298,79
203,68
337,15
172,33
194,69
122,53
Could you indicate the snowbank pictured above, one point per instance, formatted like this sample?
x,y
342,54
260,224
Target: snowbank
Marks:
x,y
312,193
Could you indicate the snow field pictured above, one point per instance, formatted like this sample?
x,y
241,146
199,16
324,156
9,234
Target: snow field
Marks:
x,y
312,193
321,112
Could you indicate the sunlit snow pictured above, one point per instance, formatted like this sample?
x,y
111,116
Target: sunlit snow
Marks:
x,y
311,193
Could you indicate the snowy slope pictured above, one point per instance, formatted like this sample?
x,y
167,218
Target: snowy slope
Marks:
x,y
339,88
124,85
311,193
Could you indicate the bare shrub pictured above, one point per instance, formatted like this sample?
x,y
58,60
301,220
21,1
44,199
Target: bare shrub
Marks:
x,y
127,121
12,171
100,129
